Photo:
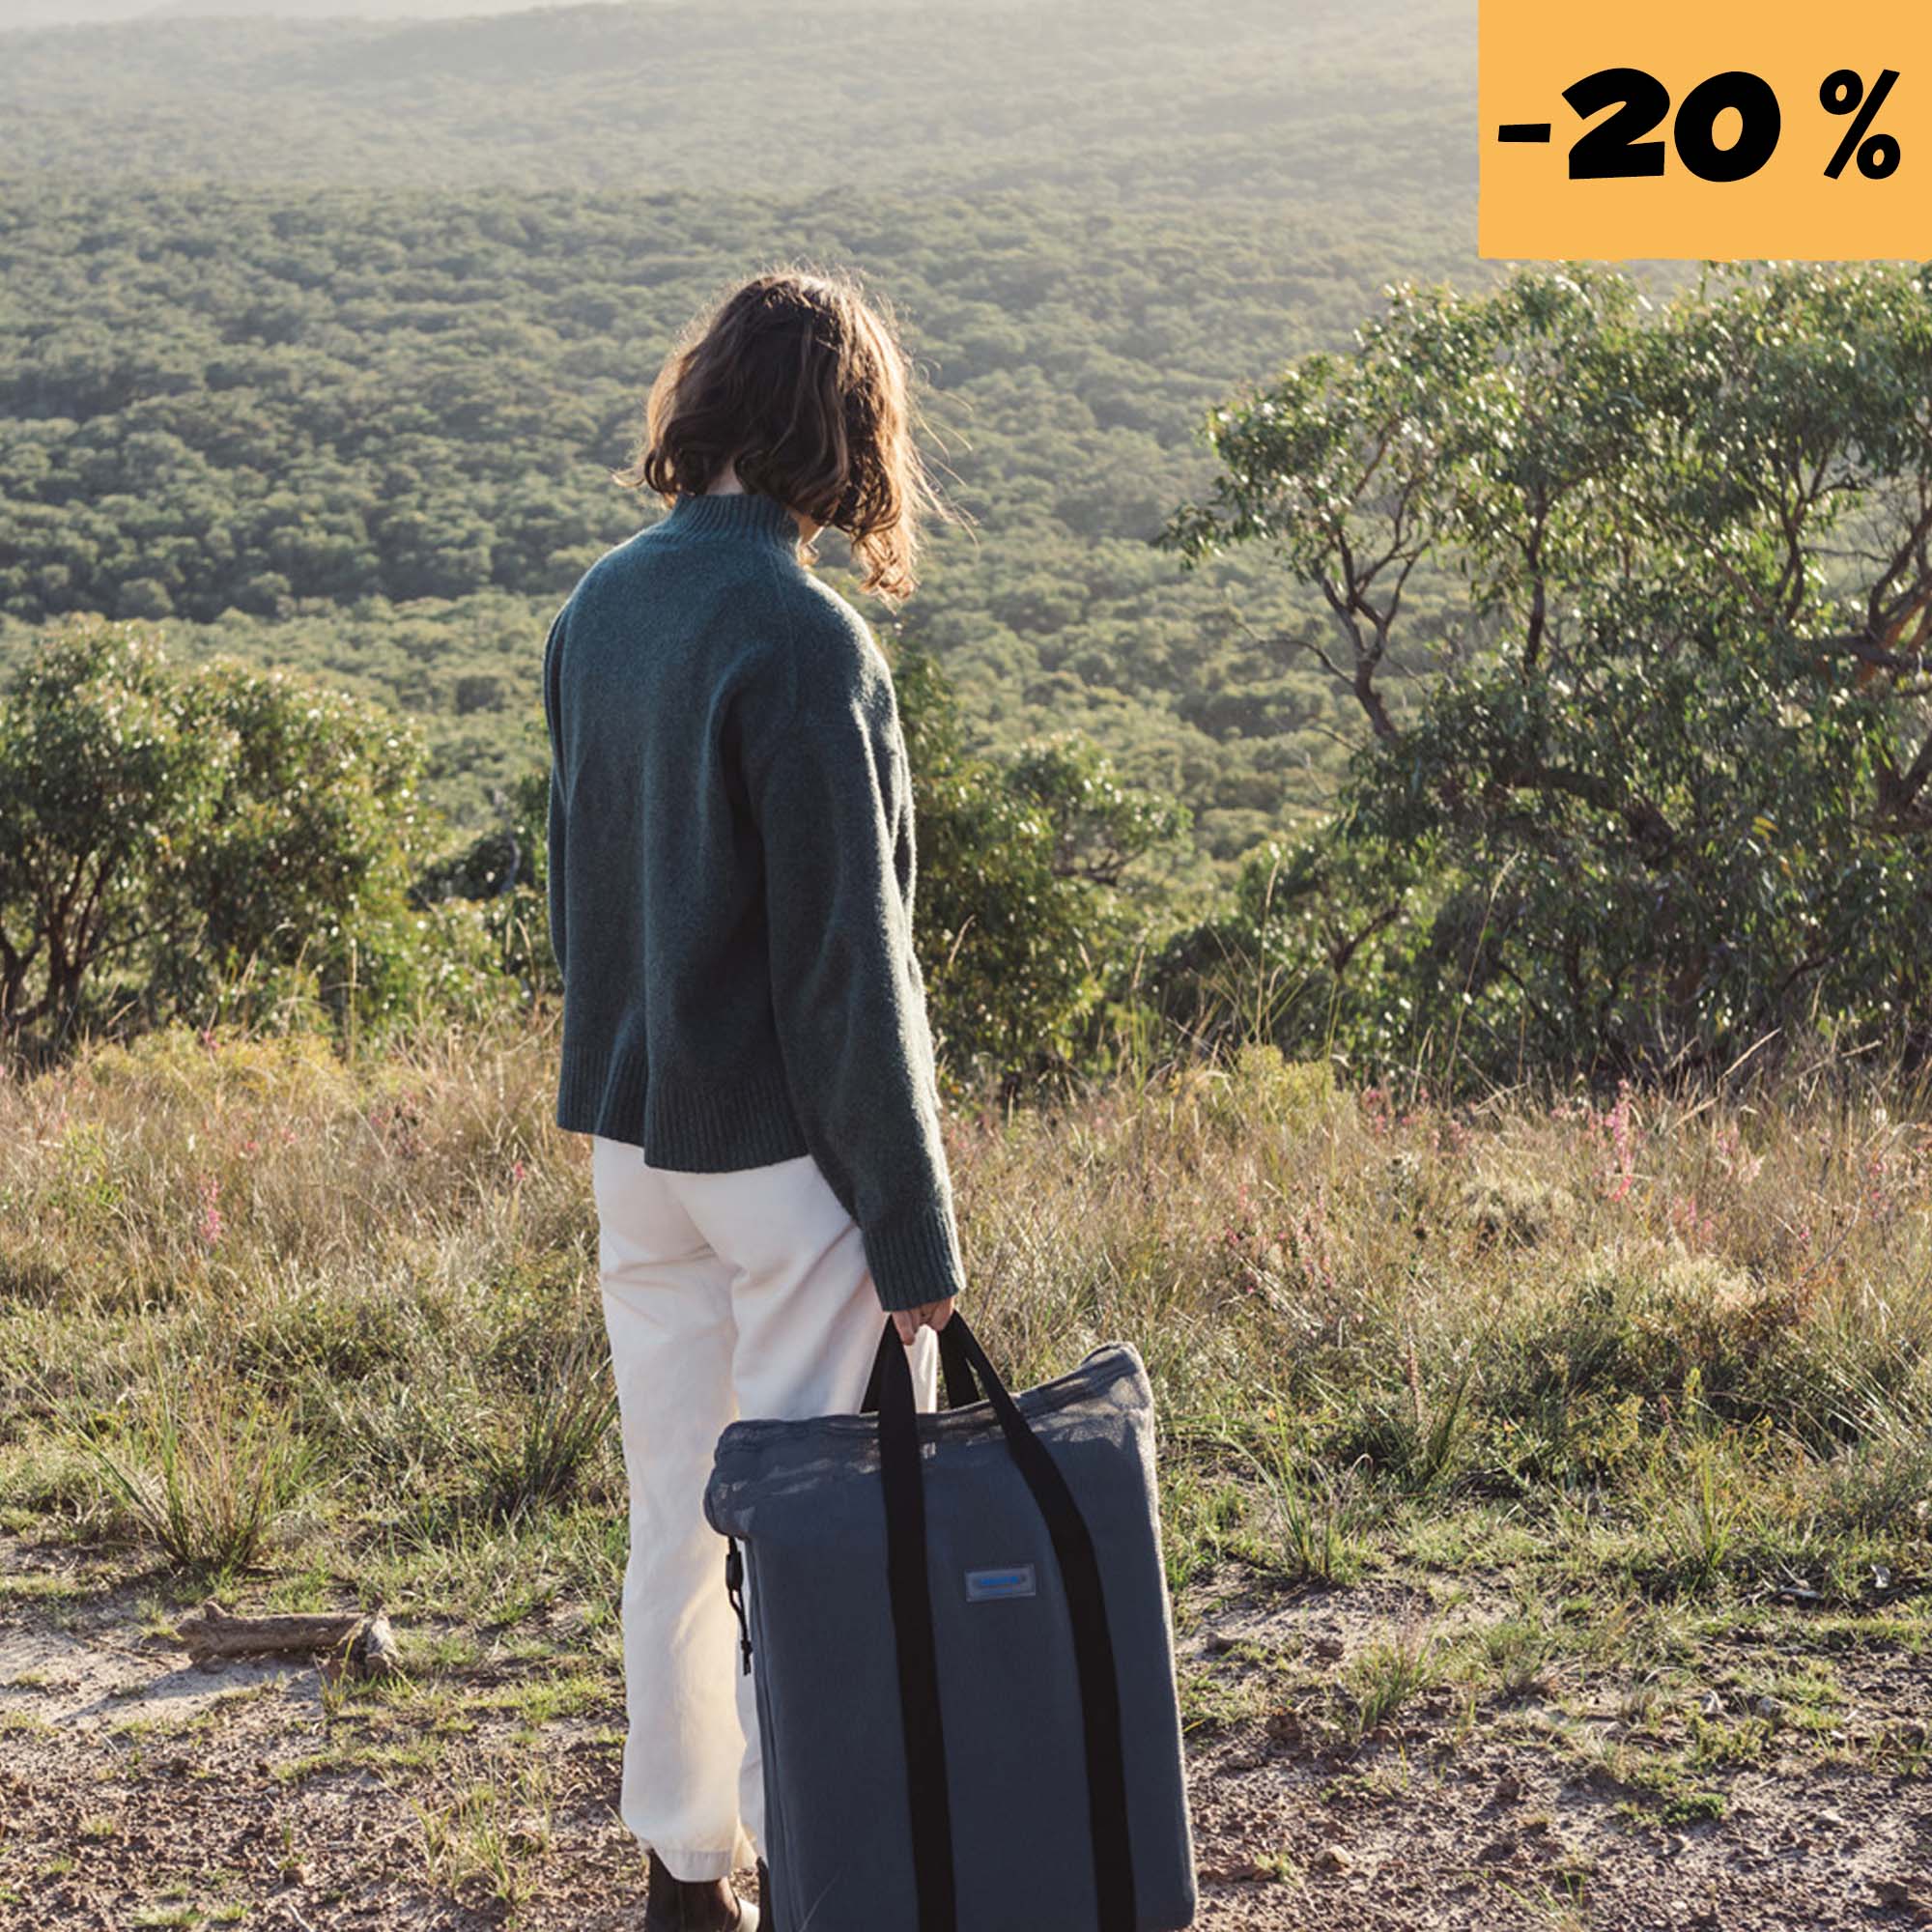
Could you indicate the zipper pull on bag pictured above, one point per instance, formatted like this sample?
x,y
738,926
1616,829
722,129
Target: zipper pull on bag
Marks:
x,y
734,1588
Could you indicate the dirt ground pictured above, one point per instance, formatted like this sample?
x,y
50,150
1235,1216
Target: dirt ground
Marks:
x,y
1522,1820
137,1789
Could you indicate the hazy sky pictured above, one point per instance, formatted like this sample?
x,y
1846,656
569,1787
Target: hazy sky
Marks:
x,y
77,13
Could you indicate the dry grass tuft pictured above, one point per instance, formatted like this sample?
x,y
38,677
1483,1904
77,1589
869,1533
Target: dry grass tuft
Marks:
x,y
1708,1325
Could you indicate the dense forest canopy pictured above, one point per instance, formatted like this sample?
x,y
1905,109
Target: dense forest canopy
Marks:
x,y
764,95
1508,695
368,430
231,405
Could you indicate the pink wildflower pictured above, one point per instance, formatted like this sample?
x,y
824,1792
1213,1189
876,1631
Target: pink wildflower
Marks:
x,y
1621,1130
1691,1221
210,1224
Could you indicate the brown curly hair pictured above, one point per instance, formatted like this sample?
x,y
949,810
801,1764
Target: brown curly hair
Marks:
x,y
799,380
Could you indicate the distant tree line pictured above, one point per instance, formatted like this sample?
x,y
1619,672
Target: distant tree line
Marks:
x,y
1659,801
371,434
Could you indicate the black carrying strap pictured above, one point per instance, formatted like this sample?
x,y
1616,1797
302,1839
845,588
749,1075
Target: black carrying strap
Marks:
x,y
910,1590
961,1390
910,1583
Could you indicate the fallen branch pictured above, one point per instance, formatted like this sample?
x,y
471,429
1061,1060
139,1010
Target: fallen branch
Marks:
x,y
366,1644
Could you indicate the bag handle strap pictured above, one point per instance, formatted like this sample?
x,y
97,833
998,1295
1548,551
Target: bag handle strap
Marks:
x,y
909,1579
910,1587
961,1390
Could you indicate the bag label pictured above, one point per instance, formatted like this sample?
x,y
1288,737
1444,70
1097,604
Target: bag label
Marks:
x,y
984,1585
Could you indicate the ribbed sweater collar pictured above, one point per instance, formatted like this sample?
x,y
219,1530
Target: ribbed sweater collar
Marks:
x,y
746,514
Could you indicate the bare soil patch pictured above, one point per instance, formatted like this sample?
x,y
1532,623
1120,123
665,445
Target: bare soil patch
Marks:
x,y
138,1788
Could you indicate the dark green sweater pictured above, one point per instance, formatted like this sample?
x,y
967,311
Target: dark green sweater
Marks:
x,y
731,880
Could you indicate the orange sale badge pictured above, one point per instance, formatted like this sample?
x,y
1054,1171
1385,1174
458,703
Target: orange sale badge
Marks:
x,y
1722,131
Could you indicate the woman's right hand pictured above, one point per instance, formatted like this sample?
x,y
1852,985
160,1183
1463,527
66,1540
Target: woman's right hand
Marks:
x,y
933,1314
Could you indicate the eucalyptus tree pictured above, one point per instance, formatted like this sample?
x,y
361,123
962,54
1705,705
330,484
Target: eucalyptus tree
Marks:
x,y
165,830
1667,795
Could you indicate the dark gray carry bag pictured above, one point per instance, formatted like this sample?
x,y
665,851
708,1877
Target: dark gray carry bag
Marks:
x,y
964,1654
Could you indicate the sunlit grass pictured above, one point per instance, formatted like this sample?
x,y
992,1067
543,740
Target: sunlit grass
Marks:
x,y
263,1305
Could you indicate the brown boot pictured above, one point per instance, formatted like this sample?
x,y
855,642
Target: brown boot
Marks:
x,y
695,1905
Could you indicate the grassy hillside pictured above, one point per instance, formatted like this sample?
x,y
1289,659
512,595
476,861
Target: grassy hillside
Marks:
x,y
1544,1492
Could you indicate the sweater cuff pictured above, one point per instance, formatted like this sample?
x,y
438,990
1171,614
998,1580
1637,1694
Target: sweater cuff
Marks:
x,y
916,1258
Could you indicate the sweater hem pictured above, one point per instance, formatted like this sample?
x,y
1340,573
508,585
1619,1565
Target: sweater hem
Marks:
x,y
712,1126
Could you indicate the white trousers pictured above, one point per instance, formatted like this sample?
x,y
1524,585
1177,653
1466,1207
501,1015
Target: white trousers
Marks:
x,y
725,1294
